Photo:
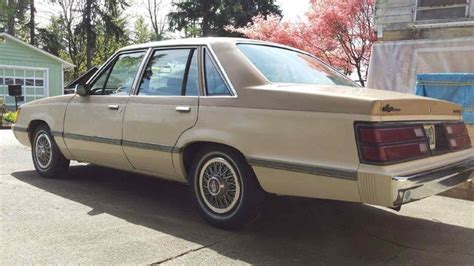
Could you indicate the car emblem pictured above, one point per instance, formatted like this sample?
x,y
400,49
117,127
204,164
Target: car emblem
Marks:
x,y
431,135
388,108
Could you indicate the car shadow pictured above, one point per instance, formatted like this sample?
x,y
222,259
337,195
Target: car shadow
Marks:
x,y
290,230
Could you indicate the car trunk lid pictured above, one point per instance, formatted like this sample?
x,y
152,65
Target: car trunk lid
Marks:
x,y
416,106
387,104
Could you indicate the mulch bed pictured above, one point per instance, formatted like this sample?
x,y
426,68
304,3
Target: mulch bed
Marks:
x,y
5,126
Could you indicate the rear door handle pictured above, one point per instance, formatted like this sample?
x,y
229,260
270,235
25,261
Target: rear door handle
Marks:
x,y
183,109
114,107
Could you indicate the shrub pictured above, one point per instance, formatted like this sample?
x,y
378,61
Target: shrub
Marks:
x,y
9,117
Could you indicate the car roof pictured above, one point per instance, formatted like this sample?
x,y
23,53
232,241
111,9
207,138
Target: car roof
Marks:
x,y
190,41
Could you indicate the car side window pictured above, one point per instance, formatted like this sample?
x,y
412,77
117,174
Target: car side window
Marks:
x,y
171,73
118,78
215,84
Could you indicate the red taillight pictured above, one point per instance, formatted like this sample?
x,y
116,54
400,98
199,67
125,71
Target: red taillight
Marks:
x,y
455,129
391,144
400,152
384,135
384,144
458,136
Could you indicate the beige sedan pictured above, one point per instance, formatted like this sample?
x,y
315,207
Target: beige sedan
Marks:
x,y
237,119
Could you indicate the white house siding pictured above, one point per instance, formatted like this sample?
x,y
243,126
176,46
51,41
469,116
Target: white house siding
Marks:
x,y
423,19
394,65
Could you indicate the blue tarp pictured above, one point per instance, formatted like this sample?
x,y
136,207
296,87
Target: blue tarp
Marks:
x,y
453,87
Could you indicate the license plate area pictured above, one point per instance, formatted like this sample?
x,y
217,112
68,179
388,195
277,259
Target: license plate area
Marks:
x,y
430,131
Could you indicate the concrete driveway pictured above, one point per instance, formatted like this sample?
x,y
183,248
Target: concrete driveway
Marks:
x,y
98,215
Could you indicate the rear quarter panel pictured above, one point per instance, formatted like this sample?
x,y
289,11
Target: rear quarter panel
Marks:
x,y
293,137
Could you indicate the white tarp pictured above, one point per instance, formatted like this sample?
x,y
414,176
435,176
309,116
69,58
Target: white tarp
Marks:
x,y
394,65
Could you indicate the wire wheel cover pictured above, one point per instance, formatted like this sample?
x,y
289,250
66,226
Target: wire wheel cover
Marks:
x,y
43,152
219,185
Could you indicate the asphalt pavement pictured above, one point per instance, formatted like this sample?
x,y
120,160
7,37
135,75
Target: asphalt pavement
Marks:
x,y
102,216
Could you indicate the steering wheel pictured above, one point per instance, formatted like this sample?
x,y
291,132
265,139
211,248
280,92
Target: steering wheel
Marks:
x,y
94,90
121,89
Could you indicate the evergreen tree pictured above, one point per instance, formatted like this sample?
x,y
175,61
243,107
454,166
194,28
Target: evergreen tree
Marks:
x,y
50,38
212,16
100,13
142,33
12,15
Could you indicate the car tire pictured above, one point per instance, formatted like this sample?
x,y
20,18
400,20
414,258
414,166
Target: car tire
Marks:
x,y
225,188
48,160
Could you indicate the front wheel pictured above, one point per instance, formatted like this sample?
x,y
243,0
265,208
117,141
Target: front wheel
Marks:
x,y
48,160
225,188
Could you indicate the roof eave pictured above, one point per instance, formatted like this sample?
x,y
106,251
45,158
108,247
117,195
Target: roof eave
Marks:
x,y
66,64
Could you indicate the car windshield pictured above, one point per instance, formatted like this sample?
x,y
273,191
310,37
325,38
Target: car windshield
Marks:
x,y
282,65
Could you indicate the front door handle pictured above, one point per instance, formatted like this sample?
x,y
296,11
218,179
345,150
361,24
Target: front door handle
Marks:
x,y
114,107
183,109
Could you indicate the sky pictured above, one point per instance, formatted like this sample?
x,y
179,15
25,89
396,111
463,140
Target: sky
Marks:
x,y
292,9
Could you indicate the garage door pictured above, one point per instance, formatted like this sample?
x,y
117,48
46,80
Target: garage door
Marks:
x,y
33,80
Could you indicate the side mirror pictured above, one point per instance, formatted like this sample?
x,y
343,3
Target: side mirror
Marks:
x,y
81,89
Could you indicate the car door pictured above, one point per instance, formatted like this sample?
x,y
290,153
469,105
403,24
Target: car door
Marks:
x,y
93,123
163,107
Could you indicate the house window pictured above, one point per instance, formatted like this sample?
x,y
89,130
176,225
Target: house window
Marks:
x,y
33,81
442,10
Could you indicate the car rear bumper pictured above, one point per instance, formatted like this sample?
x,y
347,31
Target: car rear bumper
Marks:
x,y
416,186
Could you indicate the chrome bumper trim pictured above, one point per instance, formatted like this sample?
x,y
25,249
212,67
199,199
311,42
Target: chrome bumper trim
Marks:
x,y
408,188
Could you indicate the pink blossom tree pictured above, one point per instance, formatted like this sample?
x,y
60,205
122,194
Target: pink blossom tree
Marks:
x,y
339,32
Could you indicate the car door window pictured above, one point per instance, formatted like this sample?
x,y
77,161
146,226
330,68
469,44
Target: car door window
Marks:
x,y
215,84
171,73
118,78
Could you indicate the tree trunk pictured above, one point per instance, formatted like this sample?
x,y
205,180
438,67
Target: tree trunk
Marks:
x,y
32,22
206,29
11,18
88,29
359,74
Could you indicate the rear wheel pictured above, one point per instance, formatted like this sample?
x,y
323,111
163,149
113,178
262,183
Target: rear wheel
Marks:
x,y
225,187
48,160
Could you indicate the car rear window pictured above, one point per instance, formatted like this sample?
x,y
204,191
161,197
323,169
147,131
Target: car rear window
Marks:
x,y
282,65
